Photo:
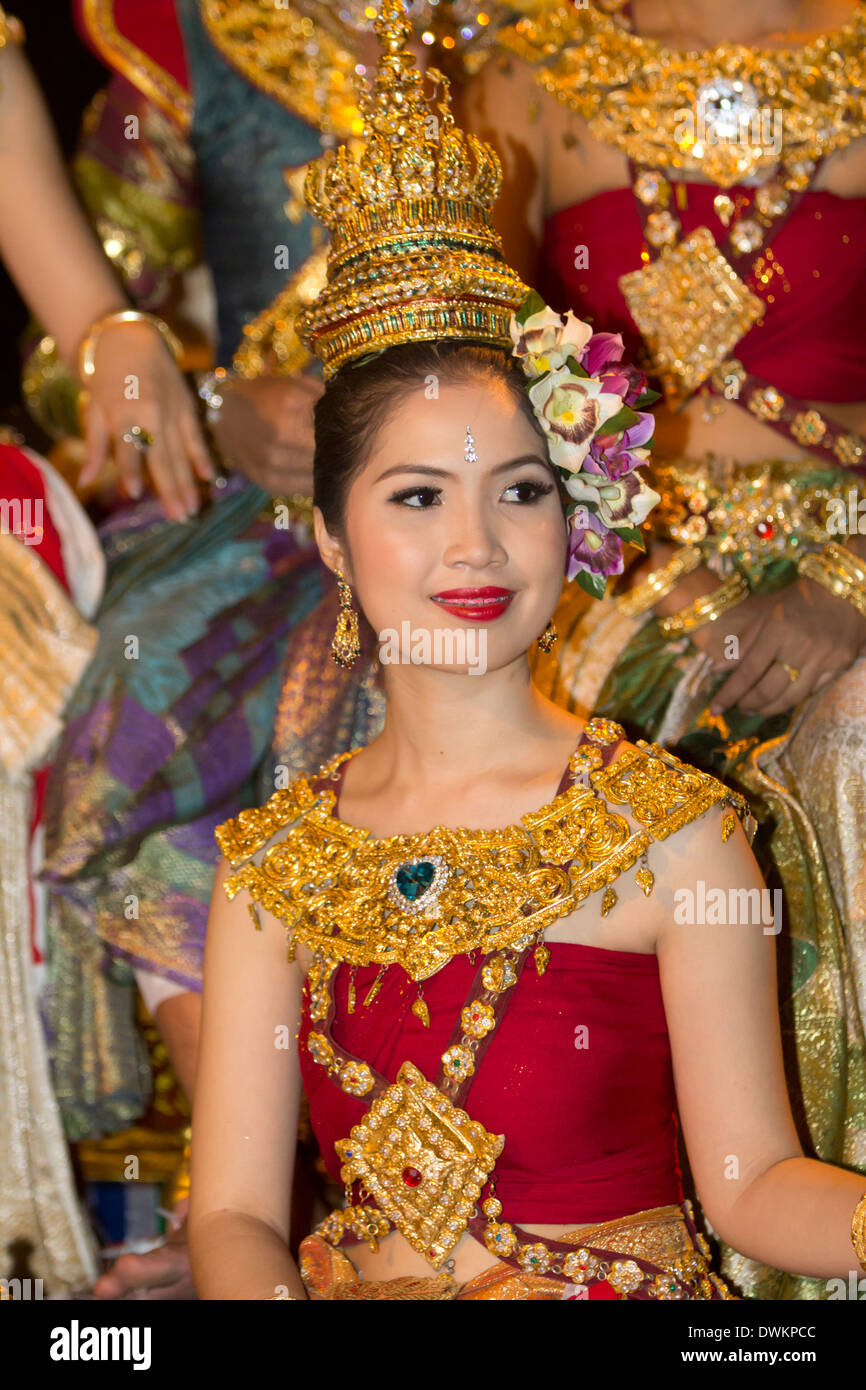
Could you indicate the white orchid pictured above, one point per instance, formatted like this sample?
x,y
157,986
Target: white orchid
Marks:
x,y
627,501
571,410
546,340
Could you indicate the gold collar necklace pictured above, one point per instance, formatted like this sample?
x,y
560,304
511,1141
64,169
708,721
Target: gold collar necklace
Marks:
x,y
418,900
716,112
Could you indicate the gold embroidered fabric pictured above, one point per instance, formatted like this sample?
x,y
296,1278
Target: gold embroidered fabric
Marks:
x,y
298,54
417,900
659,1235
633,91
38,1201
45,646
812,781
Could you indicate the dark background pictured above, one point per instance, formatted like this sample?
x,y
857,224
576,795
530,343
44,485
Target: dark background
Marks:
x,y
69,75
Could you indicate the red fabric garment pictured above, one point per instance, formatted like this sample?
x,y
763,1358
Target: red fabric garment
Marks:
x,y
20,478
151,27
590,1131
810,342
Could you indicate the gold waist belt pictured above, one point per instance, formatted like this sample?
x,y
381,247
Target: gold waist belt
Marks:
x,y
659,1235
748,513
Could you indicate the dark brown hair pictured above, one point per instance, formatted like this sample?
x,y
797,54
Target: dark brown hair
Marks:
x,y
357,401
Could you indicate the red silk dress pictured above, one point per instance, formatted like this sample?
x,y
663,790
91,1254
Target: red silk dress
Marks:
x,y
810,342
578,1078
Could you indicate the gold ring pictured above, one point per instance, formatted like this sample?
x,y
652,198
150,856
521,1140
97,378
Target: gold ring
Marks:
x,y
793,672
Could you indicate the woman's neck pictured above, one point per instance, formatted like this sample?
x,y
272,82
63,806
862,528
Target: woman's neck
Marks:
x,y
701,24
444,731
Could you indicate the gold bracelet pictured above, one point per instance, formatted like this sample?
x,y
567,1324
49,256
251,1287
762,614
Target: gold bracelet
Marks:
x,y
847,561
838,571
87,350
707,608
858,1231
659,582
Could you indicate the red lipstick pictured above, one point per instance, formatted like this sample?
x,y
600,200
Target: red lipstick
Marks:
x,y
475,605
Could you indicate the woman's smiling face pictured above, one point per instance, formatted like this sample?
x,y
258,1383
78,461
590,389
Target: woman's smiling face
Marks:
x,y
456,496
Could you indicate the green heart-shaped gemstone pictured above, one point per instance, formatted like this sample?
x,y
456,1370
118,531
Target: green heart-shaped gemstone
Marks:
x,y
413,880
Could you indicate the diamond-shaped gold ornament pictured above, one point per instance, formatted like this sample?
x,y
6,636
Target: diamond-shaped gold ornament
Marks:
x,y
692,308
423,1161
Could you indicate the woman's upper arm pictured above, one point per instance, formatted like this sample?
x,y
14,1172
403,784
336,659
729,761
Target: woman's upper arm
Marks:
x,y
500,105
248,1086
720,995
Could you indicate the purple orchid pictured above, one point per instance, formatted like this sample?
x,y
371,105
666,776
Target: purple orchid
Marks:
x,y
592,546
601,349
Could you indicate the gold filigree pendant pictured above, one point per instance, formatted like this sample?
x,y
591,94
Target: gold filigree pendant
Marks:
x,y
423,1161
692,308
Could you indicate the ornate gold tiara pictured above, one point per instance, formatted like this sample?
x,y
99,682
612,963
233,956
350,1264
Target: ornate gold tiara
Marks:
x,y
413,251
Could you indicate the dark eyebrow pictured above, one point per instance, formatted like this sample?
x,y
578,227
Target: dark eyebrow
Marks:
x,y
443,472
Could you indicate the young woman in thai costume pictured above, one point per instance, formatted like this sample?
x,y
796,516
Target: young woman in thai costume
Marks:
x,y
487,896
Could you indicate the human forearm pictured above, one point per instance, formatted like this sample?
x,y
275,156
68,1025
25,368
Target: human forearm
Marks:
x,y
236,1256
178,1019
796,1216
45,241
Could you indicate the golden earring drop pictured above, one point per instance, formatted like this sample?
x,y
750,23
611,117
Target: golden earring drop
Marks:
x,y
345,647
548,637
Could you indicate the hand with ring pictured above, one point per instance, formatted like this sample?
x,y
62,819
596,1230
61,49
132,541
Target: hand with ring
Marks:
x,y
140,439
141,411
802,639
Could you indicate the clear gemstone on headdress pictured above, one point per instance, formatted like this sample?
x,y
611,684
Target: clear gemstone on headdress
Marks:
x,y
470,453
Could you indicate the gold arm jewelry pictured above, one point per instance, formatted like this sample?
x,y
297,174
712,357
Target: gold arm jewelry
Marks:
x,y
858,1231
839,571
660,582
792,672
707,608
87,350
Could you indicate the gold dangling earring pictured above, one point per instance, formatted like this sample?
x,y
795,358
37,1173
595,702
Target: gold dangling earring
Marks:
x,y
345,646
548,637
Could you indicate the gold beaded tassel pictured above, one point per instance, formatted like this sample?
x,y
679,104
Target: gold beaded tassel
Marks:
x,y
644,876
420,1010
352,989
375,986
541,956
345,645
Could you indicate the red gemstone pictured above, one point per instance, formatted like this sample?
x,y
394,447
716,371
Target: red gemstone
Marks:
x,y
411,1177
764,529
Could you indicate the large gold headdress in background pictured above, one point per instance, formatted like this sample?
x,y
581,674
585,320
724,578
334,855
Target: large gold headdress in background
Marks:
x,y
413,251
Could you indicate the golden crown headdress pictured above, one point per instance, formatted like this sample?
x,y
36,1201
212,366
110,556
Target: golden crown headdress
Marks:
x,y
413,253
